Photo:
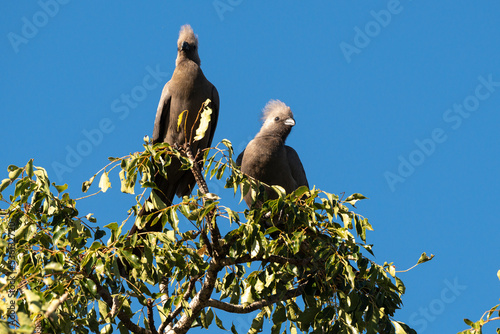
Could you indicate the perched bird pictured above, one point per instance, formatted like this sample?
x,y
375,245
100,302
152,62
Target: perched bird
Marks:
x,y
267,159
187,90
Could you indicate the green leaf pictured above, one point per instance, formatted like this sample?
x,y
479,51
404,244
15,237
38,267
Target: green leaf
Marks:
x,y
104,183
29,168
56,266
279,190
398,328
60,188
424,258
209,317
14,172
103,308
279,315
5,183
107,329
354,198
91,286
247,297
392,271
57,235
179,119
157,202
257,323
131,258
400,286
350,275
127,186
301,191
34,304
99,267
218,322
271,230
204,121
469,322
112,226
99,234
86,185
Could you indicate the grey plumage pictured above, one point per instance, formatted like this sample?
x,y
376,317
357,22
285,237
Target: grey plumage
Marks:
x,y
187,90
267,159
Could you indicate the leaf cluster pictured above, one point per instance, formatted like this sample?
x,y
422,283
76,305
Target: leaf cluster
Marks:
x,y
301,261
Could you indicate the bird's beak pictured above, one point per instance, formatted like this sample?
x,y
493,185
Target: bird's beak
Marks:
x,y
185,46
289,121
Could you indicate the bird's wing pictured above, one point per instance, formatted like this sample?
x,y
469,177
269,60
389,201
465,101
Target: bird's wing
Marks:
x,y
162,115
215,114
296,167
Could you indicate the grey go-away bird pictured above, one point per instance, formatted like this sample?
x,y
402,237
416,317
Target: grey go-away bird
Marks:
x,y
267,159
187,90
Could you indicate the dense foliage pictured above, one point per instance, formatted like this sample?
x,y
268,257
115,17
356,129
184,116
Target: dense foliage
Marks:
x,y
311,270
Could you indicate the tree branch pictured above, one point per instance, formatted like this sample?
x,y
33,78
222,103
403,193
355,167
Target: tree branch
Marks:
x,y
55,304
200,300
114,308
212,226
151,320
125,319
172,315
259,304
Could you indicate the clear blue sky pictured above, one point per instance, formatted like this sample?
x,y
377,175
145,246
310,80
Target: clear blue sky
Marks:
x,y
397,100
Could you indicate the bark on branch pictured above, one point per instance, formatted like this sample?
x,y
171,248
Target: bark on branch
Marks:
x,y
151,319
171,316
212,226
273,299
199,301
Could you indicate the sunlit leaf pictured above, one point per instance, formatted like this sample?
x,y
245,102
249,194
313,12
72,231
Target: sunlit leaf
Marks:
x,y
14,171
5,183
86,185
55,266
104,183
424,258
354,198
180,118
398,328
126,186
204,121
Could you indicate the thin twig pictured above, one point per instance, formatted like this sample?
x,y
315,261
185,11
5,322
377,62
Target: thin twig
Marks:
x,y
88,195
151,319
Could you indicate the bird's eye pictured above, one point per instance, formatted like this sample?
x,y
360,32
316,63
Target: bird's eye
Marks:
x,y
276,119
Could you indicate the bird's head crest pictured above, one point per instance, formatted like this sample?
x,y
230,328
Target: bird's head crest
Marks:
x,y
276,107
187,35
187,45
